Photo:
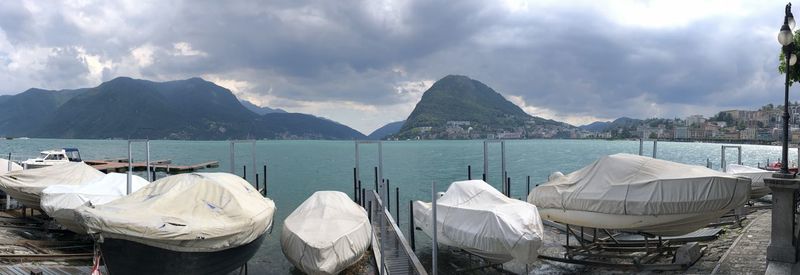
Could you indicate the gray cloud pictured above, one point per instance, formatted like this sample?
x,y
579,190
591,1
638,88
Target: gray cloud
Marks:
x,y
572,59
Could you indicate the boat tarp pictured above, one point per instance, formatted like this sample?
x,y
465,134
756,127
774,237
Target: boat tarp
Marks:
x,y
60,201
326,233
628,184
757,188
474,216
197,212
5,168
26,185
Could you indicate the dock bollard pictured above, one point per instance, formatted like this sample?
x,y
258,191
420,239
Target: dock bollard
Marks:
x,y
411,224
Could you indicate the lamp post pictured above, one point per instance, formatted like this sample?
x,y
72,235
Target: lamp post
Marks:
x,y
786,39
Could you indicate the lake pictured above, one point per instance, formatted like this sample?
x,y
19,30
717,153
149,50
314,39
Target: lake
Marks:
x,y
296,169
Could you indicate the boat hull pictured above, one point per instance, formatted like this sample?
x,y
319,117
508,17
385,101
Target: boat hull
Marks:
x,y
124,257
660,225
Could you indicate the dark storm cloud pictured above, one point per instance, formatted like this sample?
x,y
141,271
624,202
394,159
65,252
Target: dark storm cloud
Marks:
x,y
569,59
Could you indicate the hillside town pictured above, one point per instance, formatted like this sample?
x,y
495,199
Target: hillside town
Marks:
x,y
750,126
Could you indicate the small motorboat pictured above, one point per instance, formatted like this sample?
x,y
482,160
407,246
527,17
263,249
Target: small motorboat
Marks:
x,y
60,201
641,195
326,234
26,186
757,187
776,166
198,223
477,218
53,157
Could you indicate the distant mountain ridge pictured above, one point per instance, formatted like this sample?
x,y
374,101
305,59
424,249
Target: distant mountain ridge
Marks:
x,y
134,108
459,100
600,126
259,109
386,130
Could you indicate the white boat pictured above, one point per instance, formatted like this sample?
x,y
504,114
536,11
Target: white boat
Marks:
x,y
26,186
53,157
477,218
326,234
641,195
758,188
60,201
198,223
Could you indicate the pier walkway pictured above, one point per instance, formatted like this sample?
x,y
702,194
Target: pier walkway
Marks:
x,y
748,254
398,256
166,166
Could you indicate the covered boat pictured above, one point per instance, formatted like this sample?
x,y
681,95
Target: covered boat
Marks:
x,y
326,234
60,201
198,223
8,166
26,185
474,216
757,188
640,194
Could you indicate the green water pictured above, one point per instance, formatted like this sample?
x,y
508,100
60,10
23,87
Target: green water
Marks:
x,y
298,168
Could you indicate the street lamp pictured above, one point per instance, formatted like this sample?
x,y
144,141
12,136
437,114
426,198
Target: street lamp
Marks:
x,y
786,39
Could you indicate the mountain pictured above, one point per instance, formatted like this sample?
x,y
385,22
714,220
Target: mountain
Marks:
x,y
597,126
473,107
134,108
386,130
258,109
600,126
26,111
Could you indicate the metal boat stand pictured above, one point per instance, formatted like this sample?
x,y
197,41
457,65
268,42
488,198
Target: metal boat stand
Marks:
x,y
608,251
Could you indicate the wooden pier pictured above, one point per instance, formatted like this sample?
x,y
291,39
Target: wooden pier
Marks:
x,y
166,166
397,253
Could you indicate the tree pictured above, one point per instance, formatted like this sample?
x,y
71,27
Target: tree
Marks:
x,y
794,74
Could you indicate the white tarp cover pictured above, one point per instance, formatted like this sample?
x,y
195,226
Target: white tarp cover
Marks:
x,y
197,212
628,184
26,185
4,166
474,216
326,234
60,201
758,188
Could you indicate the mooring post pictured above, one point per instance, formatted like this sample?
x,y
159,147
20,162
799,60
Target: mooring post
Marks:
x,y
355,186
265,179
641,146
655,147
376,179
363,193
528,187
153,175
8,169
388,197
411,228
485,160
147,157
508,187
435,253
233,160
397,205
130,167
469,172
244,172
257,182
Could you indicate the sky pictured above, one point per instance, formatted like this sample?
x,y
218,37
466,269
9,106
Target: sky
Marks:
x,y
367,63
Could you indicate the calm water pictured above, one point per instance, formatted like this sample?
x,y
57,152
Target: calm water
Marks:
x,y
298,168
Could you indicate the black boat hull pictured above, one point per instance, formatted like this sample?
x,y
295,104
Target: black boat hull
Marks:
x,y
123,257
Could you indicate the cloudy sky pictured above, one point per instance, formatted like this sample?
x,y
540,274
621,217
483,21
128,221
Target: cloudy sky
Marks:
x,y
366,63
